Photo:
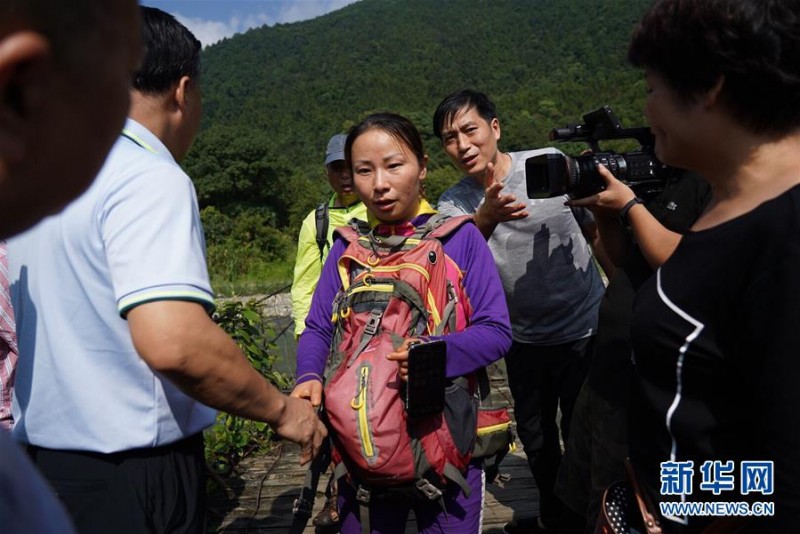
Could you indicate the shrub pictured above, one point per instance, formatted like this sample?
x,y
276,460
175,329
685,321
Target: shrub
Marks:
x,y
244,248
232,438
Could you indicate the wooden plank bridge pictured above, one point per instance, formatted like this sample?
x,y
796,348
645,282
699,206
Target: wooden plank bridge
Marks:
x,y
258,497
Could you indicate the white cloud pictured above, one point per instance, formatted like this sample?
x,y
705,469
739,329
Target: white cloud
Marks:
x,y
297,11
212,31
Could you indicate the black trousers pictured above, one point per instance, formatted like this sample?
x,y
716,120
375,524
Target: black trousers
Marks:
x,y
542,379
152,490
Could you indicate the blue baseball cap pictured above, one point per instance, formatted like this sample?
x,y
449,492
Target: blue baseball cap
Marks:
x,y
335,150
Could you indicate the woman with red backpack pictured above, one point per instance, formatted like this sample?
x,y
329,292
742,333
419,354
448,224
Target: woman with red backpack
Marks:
x,y
467,310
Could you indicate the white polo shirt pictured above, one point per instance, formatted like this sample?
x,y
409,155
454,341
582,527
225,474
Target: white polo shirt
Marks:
x,y
134,237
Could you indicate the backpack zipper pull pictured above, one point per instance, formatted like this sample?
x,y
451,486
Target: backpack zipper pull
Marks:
x,y
360,399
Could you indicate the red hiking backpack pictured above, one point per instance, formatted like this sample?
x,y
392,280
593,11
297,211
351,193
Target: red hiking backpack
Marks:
x,y
394,288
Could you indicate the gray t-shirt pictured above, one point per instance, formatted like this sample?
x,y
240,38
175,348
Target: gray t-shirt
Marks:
x,y
552,284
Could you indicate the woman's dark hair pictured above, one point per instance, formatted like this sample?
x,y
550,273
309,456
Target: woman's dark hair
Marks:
x,y
753,44
455,102
171,52
395,125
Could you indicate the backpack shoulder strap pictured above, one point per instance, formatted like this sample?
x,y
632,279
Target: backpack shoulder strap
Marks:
x,y
304,504
355,228
321,220
437,226
443,225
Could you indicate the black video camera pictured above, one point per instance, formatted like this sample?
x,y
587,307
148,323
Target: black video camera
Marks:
x,y
551,175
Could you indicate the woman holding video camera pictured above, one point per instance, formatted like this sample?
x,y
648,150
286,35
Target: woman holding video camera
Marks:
x,y
716,413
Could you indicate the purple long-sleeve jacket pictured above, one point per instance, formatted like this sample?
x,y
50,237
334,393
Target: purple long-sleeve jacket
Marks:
x,y
485,340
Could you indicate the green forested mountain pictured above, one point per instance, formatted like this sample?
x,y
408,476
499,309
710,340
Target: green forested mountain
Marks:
x,y
274,95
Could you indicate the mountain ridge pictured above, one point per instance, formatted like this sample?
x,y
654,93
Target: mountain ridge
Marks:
x,y
274,95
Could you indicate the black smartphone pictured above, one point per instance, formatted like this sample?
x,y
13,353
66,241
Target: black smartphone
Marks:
x,y
426,378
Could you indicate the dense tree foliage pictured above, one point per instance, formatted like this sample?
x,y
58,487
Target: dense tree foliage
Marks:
x,y
274,95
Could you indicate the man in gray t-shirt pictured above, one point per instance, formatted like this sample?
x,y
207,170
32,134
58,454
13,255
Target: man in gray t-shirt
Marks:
x,y
552,284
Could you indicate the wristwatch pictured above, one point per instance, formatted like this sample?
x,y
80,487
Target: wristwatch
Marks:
x,y
623,213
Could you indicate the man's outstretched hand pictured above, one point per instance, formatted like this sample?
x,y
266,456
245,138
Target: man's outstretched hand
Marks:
x,y
497,207
299,423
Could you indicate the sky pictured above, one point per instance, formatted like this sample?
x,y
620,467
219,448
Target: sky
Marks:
x,y
212,20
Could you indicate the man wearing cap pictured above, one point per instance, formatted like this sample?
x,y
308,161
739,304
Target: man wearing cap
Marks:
x,y
315,240
313,245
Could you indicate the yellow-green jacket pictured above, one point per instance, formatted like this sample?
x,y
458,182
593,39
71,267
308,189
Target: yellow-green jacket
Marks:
x,y
308,265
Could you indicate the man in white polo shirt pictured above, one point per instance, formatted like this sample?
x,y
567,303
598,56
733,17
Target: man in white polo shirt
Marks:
x,y
119,360
56,77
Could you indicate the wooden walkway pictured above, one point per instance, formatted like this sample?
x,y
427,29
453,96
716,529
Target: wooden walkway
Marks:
x,y
261,494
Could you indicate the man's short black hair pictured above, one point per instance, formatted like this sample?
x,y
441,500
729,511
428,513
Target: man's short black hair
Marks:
x,y
753,44
455,102
171,52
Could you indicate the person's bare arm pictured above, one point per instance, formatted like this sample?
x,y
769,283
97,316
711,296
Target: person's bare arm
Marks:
x,y
616,239
656,242
178,340
592,234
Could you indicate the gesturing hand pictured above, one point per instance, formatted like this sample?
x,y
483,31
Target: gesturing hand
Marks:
x,y
497,207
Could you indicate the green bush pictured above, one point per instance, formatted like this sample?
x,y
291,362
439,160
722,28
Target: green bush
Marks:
x,y
246,252
233,275
232,438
